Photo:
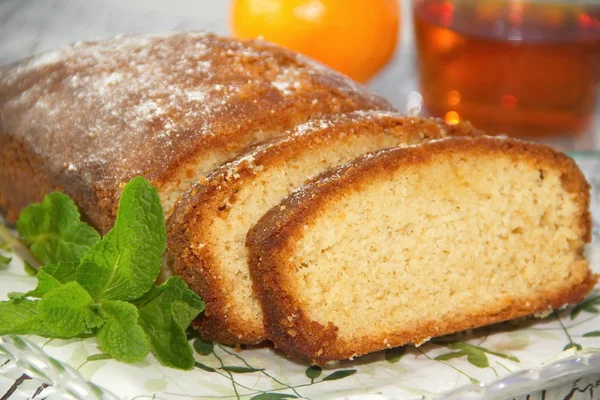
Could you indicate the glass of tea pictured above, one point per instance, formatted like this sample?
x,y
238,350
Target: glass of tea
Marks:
x,y
526,68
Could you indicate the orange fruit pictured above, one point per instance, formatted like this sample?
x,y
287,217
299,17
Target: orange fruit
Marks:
x,y
355,37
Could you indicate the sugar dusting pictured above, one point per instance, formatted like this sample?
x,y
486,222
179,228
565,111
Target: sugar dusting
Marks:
x,y
111,109
286,80
319,126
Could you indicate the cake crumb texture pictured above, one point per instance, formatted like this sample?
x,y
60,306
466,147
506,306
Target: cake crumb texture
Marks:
x,y
413,243
208,228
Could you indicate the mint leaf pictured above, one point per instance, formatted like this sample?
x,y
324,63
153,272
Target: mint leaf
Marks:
x,y
165,313
21,319
63,272
126,262
121,336
104,287
185,310
49,277
46,283
67,310
53,230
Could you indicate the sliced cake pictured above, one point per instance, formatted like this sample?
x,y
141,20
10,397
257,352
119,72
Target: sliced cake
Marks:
x,y
410,243
207,231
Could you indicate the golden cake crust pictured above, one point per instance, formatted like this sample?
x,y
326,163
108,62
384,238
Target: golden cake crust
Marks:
x,y
190,222
87,118
270,242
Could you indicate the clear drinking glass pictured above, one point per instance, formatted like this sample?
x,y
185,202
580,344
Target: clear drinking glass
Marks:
x,y
525,68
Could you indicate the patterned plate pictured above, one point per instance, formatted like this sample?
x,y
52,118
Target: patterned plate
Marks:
x,y
502,361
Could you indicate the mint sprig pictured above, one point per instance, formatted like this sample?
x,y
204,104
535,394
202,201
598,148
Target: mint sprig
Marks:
x,y
122,337
53,230
126,262
67,311
104,287
165,313
49,277
22,318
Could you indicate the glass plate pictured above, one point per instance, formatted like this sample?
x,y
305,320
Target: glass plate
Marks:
x,y
500,361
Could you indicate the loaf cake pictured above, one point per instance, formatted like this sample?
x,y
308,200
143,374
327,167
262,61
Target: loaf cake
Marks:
x,y
89,117
406,244
207,231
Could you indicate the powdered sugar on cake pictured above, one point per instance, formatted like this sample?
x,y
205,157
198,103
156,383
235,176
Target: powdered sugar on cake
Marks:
x,y
133,105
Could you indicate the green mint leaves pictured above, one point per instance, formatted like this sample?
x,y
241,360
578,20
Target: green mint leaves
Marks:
x,y
49,277
126,262
67,311
121,336
104,287
53,230
165,313
21,318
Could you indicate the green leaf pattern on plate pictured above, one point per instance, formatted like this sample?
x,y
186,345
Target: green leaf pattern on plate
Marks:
x,y
406,372
590,305
476,355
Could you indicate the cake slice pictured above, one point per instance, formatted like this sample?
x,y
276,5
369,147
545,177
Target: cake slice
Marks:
x,y
207,231
87,118
406,244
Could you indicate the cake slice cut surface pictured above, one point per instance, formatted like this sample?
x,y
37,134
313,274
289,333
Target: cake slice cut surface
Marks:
x,y
412,243
207,231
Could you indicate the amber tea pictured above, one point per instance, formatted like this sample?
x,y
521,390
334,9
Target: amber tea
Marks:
x,y
522,68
